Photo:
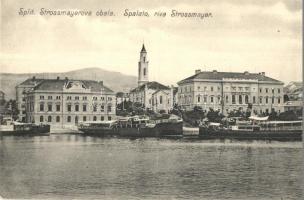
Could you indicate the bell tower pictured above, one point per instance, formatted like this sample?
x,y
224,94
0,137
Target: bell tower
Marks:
x,y
143,72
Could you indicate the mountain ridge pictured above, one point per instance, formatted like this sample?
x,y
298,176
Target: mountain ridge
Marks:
x,y
116,81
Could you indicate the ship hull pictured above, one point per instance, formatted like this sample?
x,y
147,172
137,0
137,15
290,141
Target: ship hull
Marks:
x,y
290,135
98,131
43,130
160,130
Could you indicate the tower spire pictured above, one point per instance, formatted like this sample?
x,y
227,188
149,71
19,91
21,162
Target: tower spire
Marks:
x,y
143,76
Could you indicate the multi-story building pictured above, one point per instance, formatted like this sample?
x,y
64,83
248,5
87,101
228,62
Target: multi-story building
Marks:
x,y
152,95
294,91
68,102
228,91
21,91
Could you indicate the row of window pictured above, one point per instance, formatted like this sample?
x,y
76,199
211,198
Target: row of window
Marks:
x,y
234,88
234,98
84,98
76,108
69,119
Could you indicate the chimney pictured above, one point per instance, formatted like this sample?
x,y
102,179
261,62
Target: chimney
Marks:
x,y
57,77
34,78
246,73
197,71
214,71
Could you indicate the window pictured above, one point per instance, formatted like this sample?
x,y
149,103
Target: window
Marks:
x,y
102,118
76,97
94,118
266,100
109,108
41,97
102,98
246,99
279,100
69,98
58,97
50,97
253,99
109,118
272,100
84,118
272,90
76,120
218,89
266,89
94,108
50,107
57,108
260,90
101,108
240,99
211,89
109,98
160,99
41,118
144,69
76,108
69,119
233,99
84,98
94,98
57,119
41,107
261,100
69,108
279,91
205,99
227,99
219,99
198,99
84,108
49,118
211,99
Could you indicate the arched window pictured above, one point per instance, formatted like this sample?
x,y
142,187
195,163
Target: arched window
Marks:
x,y
144,71
41,118
69,118
240,99
94,118
233,99
57,119
246,99
49,118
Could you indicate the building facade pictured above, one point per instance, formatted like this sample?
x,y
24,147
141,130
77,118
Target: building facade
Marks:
x,y
228,91
149,93
21,91
68,102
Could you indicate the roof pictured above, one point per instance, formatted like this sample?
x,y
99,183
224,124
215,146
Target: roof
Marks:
x,y
214,75
31,81
143,49
60,84
151,85
159,91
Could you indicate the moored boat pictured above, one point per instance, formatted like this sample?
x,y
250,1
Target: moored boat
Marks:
x,y
267,130
10,127
98,128
145,127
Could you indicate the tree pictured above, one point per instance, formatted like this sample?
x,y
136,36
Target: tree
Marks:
x,y
214,116
288,116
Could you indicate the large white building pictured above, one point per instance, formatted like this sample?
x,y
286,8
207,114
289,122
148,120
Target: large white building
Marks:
x,y
63,102
152,95
227,91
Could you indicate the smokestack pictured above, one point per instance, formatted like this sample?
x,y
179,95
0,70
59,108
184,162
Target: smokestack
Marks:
x,y
197,71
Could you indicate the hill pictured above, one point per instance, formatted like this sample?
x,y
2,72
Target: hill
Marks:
x,y
114,80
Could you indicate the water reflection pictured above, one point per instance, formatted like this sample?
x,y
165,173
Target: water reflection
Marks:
x,y
74,166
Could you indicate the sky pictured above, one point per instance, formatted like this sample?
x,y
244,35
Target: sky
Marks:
x,y
255,36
